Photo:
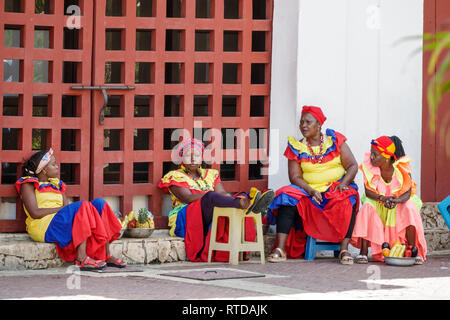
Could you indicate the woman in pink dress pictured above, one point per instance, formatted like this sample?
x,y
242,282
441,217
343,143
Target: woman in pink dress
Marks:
x,y
390,208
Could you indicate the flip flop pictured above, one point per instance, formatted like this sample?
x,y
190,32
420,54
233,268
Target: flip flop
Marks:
x,y
345,259
361,259
263,202
278,255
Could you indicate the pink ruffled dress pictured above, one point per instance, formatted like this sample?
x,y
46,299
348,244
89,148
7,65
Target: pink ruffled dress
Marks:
x,y
378,224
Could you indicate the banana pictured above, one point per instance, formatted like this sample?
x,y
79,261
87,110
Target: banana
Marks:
x,y
131,215
395,250
402,251
124,223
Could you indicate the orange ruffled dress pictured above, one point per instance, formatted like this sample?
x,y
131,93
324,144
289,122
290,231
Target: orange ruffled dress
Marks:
x,y
378,224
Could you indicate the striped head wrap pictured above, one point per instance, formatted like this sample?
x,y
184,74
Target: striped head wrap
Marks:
x,y
44,161
188,144
385,146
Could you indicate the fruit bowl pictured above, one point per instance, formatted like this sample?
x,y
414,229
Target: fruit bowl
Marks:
x,y
138,232
399,261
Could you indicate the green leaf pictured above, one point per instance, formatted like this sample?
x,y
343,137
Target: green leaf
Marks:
x,y
442,44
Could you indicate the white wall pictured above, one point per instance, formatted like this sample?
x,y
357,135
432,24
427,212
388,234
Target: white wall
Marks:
x,y
349,63
283,95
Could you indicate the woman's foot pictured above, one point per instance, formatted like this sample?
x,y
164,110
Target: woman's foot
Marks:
x,y
345,257
263,202
278,255
112,261
88,263
361,259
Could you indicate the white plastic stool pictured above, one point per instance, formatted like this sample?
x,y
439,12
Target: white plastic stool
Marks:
x,y
236,239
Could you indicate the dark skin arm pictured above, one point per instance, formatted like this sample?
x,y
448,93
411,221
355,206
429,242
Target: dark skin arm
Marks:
x,y
348,162
186,196
350,165
29,200
219,188
389,202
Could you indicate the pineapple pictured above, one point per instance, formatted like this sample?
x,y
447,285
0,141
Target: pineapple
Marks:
x,y
142,221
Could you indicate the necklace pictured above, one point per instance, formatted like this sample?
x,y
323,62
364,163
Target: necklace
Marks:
x,y
316,158
196,180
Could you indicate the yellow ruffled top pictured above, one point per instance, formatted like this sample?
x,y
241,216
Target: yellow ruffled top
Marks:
x,y
321,175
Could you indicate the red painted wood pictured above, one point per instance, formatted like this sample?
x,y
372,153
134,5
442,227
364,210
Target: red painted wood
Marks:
x,y
126,190
93,56
435,173
56,89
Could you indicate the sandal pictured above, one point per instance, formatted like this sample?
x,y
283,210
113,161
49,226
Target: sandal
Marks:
x,y
119,263
345,257
361,259
90,264
278,255
264,201
418,261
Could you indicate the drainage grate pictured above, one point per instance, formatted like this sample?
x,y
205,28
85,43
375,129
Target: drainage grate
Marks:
x,y
213,274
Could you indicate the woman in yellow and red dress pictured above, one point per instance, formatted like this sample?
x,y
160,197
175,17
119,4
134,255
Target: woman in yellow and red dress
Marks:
x,y
322,200
81,231
195,192
390,208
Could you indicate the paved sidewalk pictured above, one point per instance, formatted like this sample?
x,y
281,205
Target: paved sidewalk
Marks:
x,y
323,278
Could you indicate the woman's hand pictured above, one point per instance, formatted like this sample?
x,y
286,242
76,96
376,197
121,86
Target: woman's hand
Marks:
x,y
316,196
341,186
388,201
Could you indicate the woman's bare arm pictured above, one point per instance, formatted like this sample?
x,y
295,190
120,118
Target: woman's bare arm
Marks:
x,y
349,163
30,203
184,194
219,188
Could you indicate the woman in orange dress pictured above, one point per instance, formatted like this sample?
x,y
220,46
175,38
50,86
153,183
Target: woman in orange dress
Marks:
x,y
390,208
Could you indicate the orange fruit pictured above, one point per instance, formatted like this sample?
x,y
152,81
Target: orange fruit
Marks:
x,y
386,252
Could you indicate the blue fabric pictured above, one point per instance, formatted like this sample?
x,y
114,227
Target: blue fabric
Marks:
x,y
99,204
180,224
284,199
60,228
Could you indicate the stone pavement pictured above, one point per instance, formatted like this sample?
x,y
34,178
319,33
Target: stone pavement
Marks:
x,y
323,278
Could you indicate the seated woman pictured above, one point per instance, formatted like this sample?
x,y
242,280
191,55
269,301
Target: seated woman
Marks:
x,y
390,208
195,192
322,200
81,231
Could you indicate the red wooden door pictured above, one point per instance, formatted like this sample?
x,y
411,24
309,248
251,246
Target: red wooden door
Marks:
x,y
435,144
202,66
42,58
194,65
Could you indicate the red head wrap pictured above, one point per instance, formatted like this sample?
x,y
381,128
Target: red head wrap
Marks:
x,y
385,146
316,112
